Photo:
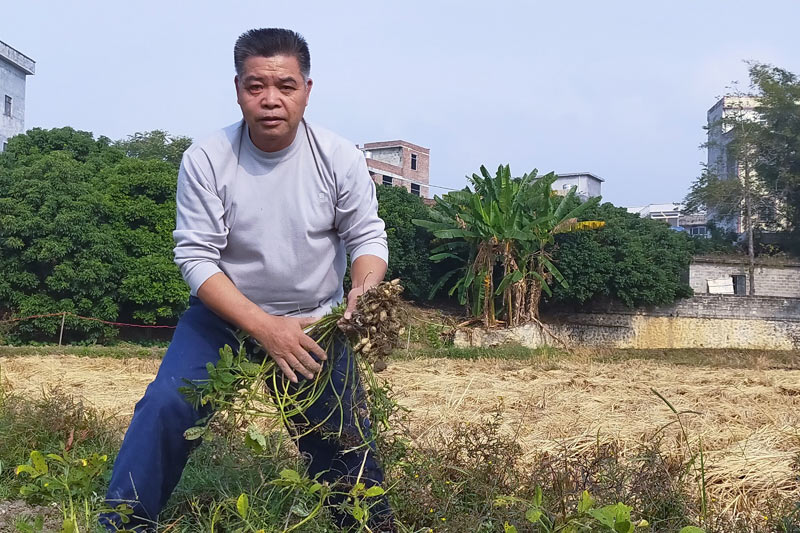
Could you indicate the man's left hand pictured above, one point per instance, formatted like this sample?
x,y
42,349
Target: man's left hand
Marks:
x,y
352,300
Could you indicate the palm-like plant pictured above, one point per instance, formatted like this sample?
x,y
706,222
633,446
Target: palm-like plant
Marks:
x,y
506,222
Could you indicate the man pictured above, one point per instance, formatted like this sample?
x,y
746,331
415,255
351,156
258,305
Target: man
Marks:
x,y
268,208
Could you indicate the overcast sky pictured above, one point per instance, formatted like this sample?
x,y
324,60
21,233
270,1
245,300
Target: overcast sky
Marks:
x,y
619,89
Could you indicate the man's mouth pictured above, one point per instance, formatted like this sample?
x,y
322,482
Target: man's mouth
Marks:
x,y
270,121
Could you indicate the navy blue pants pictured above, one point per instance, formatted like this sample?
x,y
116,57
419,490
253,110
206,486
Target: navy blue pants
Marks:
x,y
154,451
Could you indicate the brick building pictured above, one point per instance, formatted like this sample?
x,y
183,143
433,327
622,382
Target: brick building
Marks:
x,y
728,275
400,164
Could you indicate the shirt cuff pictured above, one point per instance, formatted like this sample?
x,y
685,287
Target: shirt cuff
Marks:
x,y
198,273
378,249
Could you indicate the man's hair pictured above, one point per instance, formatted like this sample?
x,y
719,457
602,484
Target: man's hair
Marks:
x,y
269,42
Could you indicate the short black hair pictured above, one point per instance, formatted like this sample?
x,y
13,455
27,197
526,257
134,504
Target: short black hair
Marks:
x,y
269,42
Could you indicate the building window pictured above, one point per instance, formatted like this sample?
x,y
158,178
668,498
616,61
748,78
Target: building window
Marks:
x,y
739,284
413,161
415,189
697,230
387,180
7,111
5,147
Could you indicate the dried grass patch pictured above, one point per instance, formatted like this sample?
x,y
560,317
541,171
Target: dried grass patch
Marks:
x,y
748,419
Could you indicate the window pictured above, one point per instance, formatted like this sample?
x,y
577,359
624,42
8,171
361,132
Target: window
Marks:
x,y
7,111
387,180
5,147
698,230
739,284
415,189
413,161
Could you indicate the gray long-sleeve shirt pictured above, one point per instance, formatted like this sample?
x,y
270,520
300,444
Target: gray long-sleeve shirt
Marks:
x,y
278,224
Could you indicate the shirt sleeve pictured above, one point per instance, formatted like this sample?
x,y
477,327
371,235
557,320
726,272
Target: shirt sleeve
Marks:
x,y
356,217
200,233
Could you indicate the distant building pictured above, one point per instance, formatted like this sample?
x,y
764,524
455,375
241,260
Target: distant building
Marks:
x,y
15,67
729,275
673,215
400,164
722,160
588,185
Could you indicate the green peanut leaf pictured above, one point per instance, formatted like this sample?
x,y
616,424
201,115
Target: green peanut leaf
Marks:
x,y
373,492
38,462
242,505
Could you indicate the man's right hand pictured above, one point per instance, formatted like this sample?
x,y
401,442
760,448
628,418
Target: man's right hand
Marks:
x,y
282,337
285,341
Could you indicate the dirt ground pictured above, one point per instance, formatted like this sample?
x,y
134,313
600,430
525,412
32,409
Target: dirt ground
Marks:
x,y
748,419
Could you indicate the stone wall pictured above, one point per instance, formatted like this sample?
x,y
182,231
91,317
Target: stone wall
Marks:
x,y
698,322
772,278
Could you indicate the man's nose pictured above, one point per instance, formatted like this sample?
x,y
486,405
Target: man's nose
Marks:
x,y
270,98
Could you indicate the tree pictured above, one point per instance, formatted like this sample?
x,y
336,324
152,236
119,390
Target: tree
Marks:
x,y
87,230
409,245
740,195
157,145
777,141
634,260
504,229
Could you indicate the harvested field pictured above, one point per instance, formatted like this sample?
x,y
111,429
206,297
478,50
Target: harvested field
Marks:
x,y
748,419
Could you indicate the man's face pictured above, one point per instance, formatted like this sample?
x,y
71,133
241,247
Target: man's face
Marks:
x,y
273,96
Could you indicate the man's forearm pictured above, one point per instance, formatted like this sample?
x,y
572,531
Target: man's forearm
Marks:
x,y
367,270
221,296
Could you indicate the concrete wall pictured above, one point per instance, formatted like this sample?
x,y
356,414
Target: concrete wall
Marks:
x,y
12,83
698,322
391,156
780,279
593,187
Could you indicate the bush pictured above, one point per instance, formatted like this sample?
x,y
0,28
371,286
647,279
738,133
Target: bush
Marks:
x,y
634,260
85,229
409,245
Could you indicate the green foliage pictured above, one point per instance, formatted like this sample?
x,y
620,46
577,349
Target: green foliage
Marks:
x,y
409,245
634,260
87,230
157,145
777,144
73,483
503,229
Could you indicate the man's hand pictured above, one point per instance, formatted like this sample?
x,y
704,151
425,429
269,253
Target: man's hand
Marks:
x,y
285,341
352,299
366,272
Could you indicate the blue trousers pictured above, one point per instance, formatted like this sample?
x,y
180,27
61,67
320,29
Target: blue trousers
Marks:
x,y
154,451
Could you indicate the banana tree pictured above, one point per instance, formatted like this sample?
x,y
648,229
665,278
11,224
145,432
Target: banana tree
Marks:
x,y
506,222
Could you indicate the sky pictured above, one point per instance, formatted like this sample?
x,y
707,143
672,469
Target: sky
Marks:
x,y
618,88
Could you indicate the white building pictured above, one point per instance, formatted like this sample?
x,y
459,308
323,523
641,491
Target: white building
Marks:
x,y
588,185
15,67
723,161
672,214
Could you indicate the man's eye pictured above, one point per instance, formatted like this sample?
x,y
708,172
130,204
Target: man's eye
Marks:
x,y
287,88
254,88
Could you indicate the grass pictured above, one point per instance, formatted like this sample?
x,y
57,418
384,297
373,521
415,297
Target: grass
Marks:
x,y
463,477
119,351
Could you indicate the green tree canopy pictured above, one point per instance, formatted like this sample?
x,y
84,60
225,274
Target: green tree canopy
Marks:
x,y
777,144
634,260
157,145
409,245
85,229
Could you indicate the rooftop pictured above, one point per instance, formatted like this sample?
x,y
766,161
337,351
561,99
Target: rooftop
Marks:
x,y
390,144
578,174
17,59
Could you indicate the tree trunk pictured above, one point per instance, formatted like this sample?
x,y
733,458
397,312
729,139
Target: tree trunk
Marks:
x,y
748,205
